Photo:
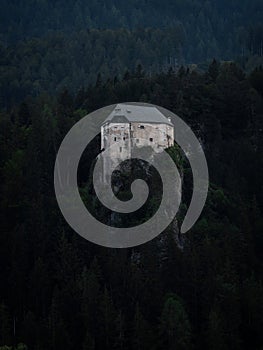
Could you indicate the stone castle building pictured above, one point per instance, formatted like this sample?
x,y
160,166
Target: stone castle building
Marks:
x,y
130,126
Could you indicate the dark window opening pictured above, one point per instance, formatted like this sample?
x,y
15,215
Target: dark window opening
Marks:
x,y
124,139
151,139
115,138
141,126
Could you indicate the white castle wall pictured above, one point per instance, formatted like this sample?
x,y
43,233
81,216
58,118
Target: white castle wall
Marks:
x,y
119,138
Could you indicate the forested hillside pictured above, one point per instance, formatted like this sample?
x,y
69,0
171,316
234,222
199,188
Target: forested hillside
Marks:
x,y
62,292
48,45
72,61
60,60
214,24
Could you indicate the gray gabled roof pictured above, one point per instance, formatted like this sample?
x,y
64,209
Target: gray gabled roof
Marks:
x,y
134,113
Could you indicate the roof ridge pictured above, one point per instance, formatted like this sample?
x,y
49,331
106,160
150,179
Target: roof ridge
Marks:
x,y
135,113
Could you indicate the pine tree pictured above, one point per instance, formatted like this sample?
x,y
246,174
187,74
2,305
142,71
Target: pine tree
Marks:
x,y
216,332
175,329
107,321
5,325
213,70
142,337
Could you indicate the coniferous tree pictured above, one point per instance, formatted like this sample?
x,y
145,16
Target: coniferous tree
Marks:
x,y
175,329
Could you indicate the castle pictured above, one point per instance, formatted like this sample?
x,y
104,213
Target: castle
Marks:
x,y
130,126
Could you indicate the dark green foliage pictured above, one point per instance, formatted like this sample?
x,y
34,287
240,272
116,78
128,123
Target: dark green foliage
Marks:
x,y
210,28
47,45
142,337
175,329
5,324
256,79
62,292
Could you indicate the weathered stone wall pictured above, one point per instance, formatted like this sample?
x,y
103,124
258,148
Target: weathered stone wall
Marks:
x,y
158,136
140,134
116,139
119,138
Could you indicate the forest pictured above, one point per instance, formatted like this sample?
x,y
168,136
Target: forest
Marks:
x,y
62,292
46,46
202,60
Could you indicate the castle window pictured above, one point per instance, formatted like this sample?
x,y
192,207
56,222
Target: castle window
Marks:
x,y
141,126
151,139
124,139
115,138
